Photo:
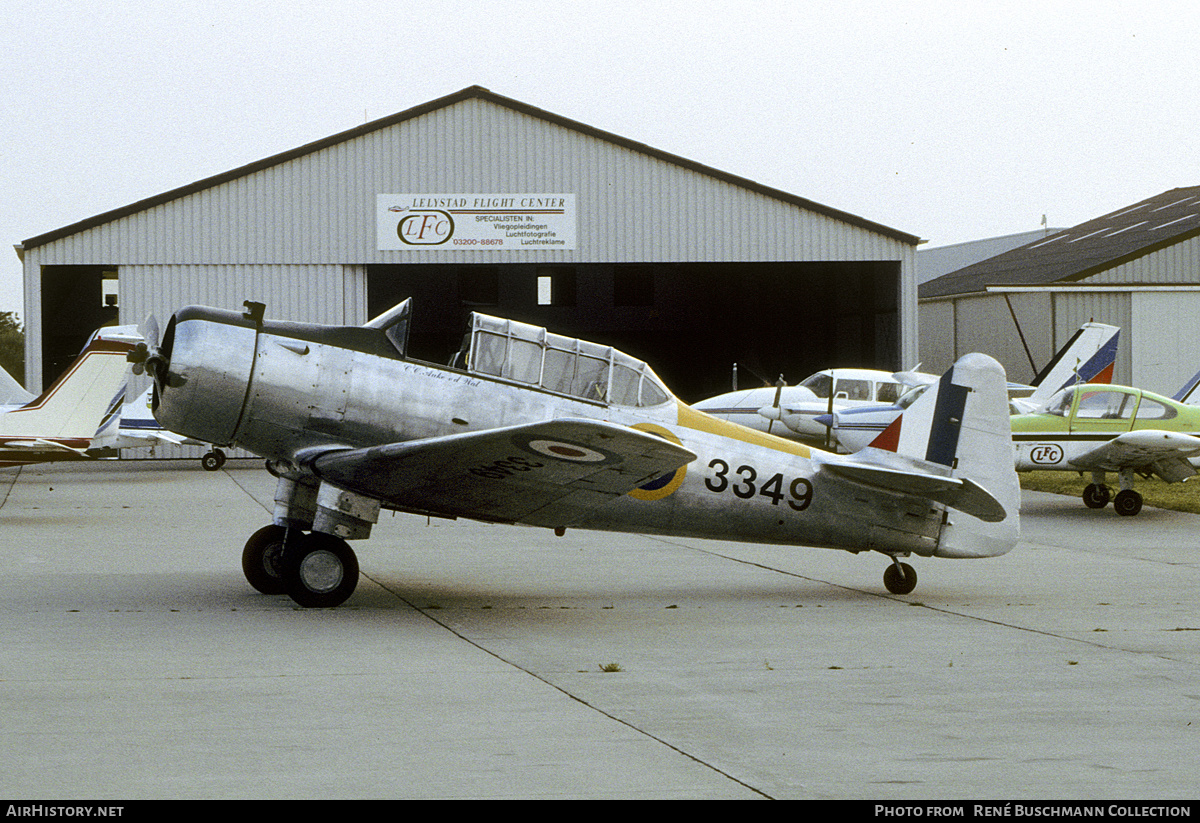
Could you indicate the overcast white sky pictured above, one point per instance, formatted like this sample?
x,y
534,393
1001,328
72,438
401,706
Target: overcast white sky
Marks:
x,y
953,121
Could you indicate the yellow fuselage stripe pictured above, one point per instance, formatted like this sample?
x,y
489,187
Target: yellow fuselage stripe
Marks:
x,y
689,418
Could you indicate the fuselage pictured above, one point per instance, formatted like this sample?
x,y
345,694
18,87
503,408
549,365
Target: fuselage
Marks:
x,y
794,408
289,391
1077,420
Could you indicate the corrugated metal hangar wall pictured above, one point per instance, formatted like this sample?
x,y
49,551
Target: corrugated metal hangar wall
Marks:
x,y
1154,299
684,266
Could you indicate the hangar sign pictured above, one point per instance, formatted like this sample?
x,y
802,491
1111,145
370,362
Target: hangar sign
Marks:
x,y
481,222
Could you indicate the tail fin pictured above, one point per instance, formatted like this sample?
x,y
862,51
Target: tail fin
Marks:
x,y
1088,357
11,391
960,429
76,405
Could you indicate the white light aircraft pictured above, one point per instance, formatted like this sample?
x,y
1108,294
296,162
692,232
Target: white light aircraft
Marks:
x,y
136,428
1088,357
64,422
544,430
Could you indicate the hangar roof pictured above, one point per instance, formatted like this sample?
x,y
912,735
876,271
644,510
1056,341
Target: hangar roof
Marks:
x,y
468,93
1084,250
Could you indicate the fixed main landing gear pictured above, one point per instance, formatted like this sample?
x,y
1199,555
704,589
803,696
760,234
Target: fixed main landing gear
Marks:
x,y
316,570
900,578
1127,502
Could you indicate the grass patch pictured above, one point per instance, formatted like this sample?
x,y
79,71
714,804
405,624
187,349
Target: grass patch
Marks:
x,y
1180,497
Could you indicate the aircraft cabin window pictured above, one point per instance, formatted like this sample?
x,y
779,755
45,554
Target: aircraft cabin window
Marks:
x,y
1153,410
888,392
529,354
489,354
819,384
854,389
624,388
1060,404
652,395
524,361
1105,405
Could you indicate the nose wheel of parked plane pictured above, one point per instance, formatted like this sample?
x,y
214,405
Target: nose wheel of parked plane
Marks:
x,y
316,570
900,578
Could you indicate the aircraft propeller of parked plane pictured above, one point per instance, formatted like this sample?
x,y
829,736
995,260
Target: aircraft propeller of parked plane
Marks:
x,y
530,427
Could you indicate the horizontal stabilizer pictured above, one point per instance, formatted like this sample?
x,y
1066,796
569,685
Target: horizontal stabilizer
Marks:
x,y
957,493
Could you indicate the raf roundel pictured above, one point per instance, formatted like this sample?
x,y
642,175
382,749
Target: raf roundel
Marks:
x,y
666,485
566,451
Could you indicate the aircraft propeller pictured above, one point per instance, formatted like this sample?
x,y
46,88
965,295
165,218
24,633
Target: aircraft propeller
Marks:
x,y
773,412
146,358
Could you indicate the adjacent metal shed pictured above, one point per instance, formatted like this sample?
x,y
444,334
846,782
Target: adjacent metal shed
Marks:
x,y
1137,268
475,200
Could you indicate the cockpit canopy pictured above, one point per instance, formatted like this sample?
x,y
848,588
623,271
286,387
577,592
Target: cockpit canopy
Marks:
x,y
529,354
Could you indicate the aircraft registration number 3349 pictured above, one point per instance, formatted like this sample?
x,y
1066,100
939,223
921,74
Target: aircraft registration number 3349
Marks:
x,y
745,485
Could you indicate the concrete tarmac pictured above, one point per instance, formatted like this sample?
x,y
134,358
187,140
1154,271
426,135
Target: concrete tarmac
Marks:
x,y
471,661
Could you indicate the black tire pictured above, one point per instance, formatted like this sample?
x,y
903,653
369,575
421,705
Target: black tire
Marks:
x,y
213,461
1096,496
261,560
1127,502
900,580
321,571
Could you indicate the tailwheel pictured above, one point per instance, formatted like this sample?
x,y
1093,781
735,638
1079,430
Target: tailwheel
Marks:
x,y
900,578
1127,502
1096,495
213,460
321,571
261,560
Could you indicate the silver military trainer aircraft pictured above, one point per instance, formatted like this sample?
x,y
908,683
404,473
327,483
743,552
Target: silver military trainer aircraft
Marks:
x,y
529,427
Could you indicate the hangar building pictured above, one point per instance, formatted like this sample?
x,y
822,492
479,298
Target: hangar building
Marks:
x,y
1137,268
479,202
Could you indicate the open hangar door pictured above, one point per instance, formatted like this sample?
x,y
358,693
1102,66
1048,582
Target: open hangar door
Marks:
x,y
76,300
690,321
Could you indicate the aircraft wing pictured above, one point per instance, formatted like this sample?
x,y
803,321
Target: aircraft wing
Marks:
x,y
546,474
39,444
1164,453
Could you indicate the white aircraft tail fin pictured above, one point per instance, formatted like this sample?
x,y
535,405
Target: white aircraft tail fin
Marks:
x,y
960,430
11,391
1088,357
80,401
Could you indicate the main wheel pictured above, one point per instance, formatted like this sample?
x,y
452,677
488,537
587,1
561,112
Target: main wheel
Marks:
x,y
1127,502
1095,496
261,560
900,580
321,571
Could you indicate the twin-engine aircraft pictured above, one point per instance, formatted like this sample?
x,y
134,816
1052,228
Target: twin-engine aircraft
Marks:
x,y
1090,356
848,408
530,427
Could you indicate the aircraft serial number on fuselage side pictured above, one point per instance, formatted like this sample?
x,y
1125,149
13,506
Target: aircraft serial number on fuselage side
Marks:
x,y
499,469
799,494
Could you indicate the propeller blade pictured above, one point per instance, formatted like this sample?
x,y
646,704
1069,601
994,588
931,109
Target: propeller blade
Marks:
x,y
150,331
779,384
